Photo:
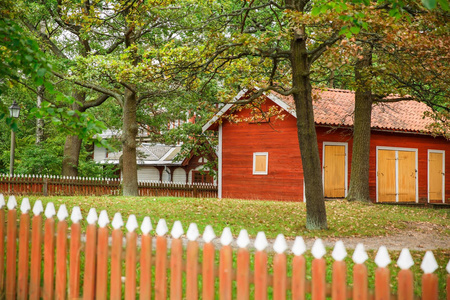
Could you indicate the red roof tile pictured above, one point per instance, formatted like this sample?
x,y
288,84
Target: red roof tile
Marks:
x,y
335,107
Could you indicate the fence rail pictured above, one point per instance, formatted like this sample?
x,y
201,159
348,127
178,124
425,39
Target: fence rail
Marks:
x,y
143,267
82,186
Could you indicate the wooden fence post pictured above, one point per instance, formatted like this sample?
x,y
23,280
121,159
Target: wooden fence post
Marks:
x,y
75,253
36,252
45,187
382,275
11,249
130,259
2,243
102,257
260,277
448,280
49,252
208,276
429,280
61,254
318,271
339,278
116,261
299,269
192,263
243,266
360,284
160,261
176,261
405,276
146,260
279,268
90,251
24,242
226,265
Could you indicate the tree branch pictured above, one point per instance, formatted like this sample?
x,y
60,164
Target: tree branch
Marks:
x,y
317,52
94,87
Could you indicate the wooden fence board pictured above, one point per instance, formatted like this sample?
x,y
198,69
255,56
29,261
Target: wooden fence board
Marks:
x,y
220,279
62,186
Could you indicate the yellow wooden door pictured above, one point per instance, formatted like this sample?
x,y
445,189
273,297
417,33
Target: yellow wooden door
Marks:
x,y
334,171
436,176
406,176
386,176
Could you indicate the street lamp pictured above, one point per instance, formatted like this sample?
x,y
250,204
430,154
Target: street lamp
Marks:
x,y
14,111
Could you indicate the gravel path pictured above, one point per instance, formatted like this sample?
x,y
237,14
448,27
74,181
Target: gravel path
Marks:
x,y
421,238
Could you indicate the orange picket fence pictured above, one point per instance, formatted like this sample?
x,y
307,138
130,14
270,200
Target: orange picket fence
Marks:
x,y
93,263
83,186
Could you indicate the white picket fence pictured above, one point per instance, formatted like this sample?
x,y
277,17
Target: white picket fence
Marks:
x,y
103,251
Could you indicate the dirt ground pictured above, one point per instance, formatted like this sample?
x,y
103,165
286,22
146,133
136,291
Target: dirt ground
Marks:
x,y
416,236
414,239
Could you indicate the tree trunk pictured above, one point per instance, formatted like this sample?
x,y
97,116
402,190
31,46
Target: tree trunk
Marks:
x,y
130,129
39,121
70,162
40,95
359,178
316,217
72,146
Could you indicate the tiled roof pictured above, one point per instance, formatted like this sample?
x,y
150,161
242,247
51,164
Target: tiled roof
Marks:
x,y
148,153
335,107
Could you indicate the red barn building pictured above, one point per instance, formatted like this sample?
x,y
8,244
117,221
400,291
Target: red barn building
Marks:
x,y
261,159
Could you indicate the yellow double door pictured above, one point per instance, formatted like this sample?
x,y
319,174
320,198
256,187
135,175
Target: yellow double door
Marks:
x,y
396,176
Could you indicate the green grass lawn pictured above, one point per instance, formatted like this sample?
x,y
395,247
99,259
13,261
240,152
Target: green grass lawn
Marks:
x,y
272,217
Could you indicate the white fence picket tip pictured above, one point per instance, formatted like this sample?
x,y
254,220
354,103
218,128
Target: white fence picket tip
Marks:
x,y
360,255
12,203
339,252
50,210
280,245
261,241
429,264
25,206
405,260
208,234
243,240
62,212
103,219
227,237
177,230
92,216
161,228
132,223
146,225
299,246
382,258
117,221
76,215
192,233
318,249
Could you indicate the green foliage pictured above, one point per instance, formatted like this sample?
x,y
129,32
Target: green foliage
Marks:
x,y
20,56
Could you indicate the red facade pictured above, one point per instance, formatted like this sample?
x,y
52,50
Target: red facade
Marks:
x,y
284,179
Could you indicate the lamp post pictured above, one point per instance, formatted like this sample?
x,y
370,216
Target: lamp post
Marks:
x,y
14,111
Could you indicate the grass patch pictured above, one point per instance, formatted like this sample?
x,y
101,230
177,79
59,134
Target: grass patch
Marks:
x,y
273,217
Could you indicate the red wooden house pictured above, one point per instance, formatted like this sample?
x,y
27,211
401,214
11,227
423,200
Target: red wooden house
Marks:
x,y
261,160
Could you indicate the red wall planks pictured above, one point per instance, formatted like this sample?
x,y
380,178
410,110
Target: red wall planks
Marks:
x,y
285,175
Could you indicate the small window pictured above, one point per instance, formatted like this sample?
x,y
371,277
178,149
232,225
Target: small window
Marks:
x,y
260,163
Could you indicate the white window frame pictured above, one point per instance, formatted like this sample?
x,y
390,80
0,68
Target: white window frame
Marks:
x,y
396,149
254,163
346,163
428,173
